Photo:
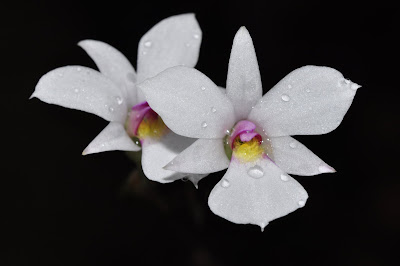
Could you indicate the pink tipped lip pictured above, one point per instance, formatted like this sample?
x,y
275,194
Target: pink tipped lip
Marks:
x,y
245,130
139,112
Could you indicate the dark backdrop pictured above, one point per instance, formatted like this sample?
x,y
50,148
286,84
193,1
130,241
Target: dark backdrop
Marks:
x,y
61,208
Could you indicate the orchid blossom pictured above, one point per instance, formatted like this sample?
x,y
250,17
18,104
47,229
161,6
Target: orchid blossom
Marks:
x,y
112,93
249,133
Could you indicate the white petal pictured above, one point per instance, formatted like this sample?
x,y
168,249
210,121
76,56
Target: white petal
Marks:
x,y
173,41
203,156
310,100
243,85
294,158
113,137
157,153
189,103
83,89
114,65
243,199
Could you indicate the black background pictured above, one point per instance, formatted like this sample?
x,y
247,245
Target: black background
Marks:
x,y
61,208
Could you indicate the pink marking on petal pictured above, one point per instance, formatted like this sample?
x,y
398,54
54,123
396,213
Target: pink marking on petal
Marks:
x,y
137,118
138,112
243,126
249,136
140,106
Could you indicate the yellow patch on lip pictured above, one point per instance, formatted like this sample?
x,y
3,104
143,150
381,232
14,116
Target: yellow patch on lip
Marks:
x,y
151,128
247,151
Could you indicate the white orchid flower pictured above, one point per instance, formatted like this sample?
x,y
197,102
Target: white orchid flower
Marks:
x,y
112,93
254,130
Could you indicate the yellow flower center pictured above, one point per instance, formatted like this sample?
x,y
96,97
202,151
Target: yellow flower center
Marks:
x,y
247,151
151,128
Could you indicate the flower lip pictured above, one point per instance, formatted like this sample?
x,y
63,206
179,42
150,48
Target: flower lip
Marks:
x,y
135,117
245,130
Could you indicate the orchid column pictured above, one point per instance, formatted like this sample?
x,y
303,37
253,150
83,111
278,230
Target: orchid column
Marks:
x,y
248,133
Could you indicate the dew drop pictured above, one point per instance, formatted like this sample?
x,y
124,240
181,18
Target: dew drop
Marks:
x,y
111,109
284,177
144,53
308,90
213,109
344,82
225,183
204,124
196,36
227,132
137,142
285,97
293,145
119,100
263,225
76,90
187,44
289,86
255,172
148,44
60,74
302,203
203,88
78,69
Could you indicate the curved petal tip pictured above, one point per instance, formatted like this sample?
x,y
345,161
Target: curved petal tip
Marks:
x,y
326,169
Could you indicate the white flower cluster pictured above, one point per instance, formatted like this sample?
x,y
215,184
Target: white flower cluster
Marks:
x,y
186,126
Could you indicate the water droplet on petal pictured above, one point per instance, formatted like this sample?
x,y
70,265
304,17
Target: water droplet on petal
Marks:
x,y
187,44
225,183
284,177
78,69
213,109
196,36
76,90
138,142
60,74
203,88
289,86
308,90
255,172
285,97
344,82
204,124
148,44
119,100
293,145
111,109
228,132
144,52
263,225
302,203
